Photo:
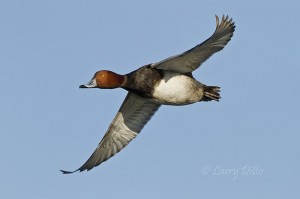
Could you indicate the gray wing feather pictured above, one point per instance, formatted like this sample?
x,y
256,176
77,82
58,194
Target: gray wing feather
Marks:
x,y
133,115
193,58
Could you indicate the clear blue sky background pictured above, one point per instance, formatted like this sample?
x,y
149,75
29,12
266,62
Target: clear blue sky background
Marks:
x,y
49,48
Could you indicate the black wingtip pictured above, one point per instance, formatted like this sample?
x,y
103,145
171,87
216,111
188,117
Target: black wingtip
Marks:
x,y
67,172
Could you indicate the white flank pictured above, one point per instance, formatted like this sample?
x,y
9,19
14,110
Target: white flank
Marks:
x,y
178,89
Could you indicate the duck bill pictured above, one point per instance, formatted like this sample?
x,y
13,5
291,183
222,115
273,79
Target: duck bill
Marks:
x,y
91,84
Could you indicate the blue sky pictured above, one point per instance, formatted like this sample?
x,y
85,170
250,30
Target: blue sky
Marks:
x,y
245,146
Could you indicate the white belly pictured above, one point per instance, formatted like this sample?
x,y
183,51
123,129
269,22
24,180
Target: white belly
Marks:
x,y
178,89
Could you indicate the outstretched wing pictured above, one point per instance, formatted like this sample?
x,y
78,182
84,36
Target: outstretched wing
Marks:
x,y
133,115
193,58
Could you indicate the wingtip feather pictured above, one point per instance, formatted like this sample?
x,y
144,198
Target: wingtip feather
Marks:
x,y
68,172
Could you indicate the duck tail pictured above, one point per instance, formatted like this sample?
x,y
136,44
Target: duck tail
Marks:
x,y
211,93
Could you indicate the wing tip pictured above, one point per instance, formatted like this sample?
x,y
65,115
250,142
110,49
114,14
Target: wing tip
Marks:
x,y
225,23
68,172
224,28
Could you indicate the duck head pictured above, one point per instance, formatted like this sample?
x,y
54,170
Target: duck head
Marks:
x,y
106,80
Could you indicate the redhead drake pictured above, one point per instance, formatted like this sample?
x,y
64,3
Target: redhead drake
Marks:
x,y
168,82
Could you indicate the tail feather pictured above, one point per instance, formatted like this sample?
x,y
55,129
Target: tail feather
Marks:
x,y
211,93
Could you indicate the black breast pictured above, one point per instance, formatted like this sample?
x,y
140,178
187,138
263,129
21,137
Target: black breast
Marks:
x,y
143,81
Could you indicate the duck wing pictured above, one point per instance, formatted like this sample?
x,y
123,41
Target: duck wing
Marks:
x,y
133,115
193,58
